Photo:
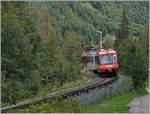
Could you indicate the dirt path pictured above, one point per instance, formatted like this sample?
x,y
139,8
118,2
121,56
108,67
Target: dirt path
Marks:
x,y
139,105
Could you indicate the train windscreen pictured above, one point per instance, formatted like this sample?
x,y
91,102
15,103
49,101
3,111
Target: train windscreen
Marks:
x,y
108,59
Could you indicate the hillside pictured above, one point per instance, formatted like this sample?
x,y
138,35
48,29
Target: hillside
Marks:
x,y
81,16
42,44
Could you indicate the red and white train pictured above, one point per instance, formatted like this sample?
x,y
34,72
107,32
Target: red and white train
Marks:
x,y
102,61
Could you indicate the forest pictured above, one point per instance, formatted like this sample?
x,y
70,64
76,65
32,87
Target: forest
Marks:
x,y
41,42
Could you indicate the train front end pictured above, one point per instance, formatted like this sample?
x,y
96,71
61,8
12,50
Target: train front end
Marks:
x,y
107,61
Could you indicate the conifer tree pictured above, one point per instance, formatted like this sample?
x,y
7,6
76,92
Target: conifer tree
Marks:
x,y
123,32
124,26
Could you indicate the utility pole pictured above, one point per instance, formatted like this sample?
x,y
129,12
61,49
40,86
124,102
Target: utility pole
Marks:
x,y
100,43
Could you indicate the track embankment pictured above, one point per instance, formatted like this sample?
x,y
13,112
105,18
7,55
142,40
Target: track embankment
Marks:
x,y
94,83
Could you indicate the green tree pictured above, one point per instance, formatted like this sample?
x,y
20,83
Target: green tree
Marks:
x,y
109,41
123,32
124,26
72,51
72,47
48,55
137,65
19,53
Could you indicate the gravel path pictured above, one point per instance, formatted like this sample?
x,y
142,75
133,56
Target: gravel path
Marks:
x,y
139,105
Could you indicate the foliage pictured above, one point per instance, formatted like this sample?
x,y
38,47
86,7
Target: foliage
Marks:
x,y
124,26
33,62
133,55
80,16
17,62
42,42
138,65
109,42
58,105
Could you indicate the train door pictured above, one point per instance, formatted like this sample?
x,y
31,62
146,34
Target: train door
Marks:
x,y
94,61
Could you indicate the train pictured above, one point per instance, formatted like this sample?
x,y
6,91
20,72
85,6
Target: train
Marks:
x,y
103,61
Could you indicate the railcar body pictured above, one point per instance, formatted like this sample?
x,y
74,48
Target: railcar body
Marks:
x,y
102,61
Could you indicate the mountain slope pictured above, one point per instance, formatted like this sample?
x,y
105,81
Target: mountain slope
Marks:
x,y
81,16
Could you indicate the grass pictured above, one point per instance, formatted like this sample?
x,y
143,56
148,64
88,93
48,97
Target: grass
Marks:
x,y
115,104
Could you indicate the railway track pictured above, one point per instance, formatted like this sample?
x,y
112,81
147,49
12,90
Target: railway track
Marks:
x,y
101,82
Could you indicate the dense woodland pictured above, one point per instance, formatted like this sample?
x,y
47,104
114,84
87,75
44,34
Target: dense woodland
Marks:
x,y
42,42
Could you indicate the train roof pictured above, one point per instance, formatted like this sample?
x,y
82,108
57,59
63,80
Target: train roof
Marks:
x,y
109,51
90,53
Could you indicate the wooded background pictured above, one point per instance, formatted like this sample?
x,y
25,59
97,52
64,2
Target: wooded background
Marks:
x,y
42,42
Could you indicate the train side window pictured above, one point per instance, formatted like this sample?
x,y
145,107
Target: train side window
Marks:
x,y
114,58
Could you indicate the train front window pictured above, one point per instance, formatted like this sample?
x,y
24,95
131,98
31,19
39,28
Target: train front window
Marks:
x,y
107,59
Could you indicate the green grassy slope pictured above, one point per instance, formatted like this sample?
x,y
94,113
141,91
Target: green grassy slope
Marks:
x,y
112,105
